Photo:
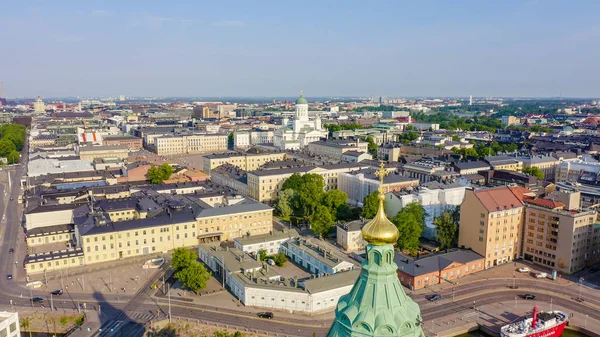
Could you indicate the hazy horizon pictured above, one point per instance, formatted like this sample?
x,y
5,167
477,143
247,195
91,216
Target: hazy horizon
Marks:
x,y
527,49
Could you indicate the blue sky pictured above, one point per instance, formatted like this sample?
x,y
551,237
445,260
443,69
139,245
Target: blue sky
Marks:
x,y
276,48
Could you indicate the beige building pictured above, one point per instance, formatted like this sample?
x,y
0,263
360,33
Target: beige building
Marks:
x,y
335,149
248,161
559,235
111,151
490,224
197,143
349,236
504,163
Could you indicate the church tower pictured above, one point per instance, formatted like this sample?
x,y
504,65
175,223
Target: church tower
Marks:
x,y
377,305
301,108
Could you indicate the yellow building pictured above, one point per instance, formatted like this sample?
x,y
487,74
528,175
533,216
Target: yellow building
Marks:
x,y
349,236
247,161
504,163
198,143
491,223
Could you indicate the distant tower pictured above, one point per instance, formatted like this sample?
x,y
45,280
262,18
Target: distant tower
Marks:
x,y
471,100
121,97
39,106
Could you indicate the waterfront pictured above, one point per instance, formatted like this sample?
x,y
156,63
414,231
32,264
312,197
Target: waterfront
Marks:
x,y
566,333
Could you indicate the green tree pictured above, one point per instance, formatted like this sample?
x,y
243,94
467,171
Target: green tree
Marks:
x,y
6,147
345,213
262,255
26,324
370,205
410,231
230,140
321,221
333,200
280,259
285,203
157,174
194,276
183,258
534,171
311,193
294,182
446,230
372,146
13,157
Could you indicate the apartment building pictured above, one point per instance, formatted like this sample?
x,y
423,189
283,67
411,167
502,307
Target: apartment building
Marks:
x,y
559,235
546,163
249,160
270,242
314,257
429,170
185,144
245,139
491,223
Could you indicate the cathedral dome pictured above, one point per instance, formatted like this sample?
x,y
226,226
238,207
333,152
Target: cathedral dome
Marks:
x,y
301,100
380,230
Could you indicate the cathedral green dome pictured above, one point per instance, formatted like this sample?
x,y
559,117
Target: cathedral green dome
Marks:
x,y
301,100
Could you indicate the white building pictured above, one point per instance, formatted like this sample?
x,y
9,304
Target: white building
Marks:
x,y
435,198
314,258
269,242
244,139
257,285
299,133
39,106
9,324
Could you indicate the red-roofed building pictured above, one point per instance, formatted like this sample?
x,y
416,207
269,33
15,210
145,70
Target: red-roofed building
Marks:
x,y
491,223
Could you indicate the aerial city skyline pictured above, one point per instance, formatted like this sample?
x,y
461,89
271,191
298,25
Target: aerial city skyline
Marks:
x,y
300,169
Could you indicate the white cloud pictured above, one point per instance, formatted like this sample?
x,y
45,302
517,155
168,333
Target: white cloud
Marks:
x,y
229,23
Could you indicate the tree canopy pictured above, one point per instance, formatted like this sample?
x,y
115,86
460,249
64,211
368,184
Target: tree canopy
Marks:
x,y
157,174
370,205
285,202
446,229
182,258
321,221
410,222
534,171
194,276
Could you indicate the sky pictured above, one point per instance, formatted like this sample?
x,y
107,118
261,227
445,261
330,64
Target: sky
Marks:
x,y
277,48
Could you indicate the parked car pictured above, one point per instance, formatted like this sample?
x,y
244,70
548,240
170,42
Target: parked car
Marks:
x,y
524,270
529,297
57,292
37,300
541,275
267,315
434,297
9,277
271,262
12,250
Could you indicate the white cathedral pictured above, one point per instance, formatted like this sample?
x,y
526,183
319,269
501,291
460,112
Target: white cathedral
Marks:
x,y
302,131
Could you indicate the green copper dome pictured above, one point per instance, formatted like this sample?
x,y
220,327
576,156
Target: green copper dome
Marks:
x,y
301,100
377,305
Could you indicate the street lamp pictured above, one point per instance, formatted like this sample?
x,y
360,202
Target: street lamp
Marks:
x,y
585,321
453,290
580,286
516,300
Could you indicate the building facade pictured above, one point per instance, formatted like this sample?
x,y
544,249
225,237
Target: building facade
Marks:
x,y
197,143
491,224
301,132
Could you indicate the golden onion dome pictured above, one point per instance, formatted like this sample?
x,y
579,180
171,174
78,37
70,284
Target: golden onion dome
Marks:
x,y
380,231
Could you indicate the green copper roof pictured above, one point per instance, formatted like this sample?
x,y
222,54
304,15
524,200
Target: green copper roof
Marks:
x,y
301,100
377,305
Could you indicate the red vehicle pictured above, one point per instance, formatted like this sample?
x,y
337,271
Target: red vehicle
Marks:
x,y
540,324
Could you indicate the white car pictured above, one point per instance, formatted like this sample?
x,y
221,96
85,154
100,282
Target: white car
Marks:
x,y
524,270
541,275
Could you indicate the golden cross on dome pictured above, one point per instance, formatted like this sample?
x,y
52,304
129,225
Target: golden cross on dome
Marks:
x,y
381,173
301,92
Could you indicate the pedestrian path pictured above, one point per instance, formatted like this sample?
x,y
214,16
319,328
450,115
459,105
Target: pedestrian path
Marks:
x,y
115,314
